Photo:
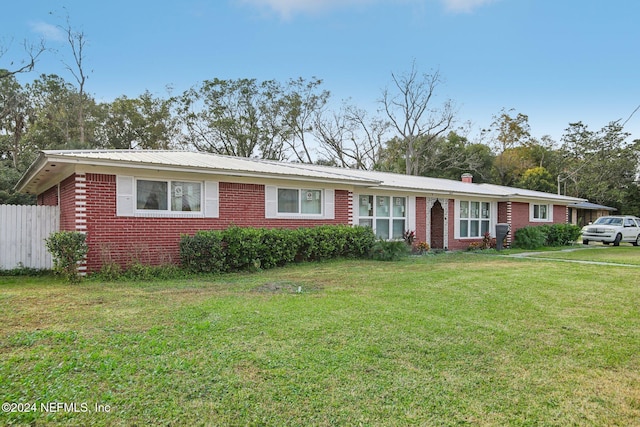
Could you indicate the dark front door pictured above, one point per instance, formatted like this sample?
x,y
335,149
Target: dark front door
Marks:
x,y
437,226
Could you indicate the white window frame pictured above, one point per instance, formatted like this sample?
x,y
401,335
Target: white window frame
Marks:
x,y
126,199
409,207
327,203
492,219
549,208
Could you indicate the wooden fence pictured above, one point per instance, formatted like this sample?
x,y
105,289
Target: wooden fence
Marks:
x,y
22,233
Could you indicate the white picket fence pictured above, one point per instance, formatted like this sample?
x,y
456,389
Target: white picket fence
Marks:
x,y
22,233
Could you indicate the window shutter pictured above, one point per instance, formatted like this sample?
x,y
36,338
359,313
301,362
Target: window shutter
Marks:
x,y
270,201
411,213
329,203
125,203
211,199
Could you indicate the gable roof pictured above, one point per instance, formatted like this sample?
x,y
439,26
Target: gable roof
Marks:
x,y
51,166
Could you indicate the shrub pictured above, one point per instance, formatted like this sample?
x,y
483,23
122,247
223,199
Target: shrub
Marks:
x,y
562,234
421,247
68,249
239,248
389,250
202,252
533,237
529,237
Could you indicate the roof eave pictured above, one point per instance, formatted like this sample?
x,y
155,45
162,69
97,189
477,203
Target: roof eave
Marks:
x,y
46,157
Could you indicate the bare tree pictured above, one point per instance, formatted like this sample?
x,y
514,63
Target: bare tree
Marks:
x,y
349,138
33,51
409,108
77,41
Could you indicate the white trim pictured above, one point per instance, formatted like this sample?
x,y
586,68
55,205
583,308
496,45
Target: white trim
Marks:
x,y
409,212
549,212
271,203
329,203
211,205
125,202
126,196
493,218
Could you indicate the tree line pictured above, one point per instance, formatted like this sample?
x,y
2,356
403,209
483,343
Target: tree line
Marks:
x,y
295,121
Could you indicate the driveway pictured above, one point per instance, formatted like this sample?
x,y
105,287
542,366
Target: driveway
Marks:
x,y
537,256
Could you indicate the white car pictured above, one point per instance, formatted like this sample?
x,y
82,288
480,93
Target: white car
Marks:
x,y
613,229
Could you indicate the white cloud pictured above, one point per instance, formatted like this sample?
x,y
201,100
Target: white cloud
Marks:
x,y
458,6
287,8
48,31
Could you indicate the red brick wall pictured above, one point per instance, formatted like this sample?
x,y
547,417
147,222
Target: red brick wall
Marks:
x,y
421,219
156,240
68,204
502,212
49,197
560,214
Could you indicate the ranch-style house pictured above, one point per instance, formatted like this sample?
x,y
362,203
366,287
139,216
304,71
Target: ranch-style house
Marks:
x,y
135,204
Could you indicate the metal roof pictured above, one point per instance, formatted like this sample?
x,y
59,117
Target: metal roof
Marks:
x,y
592,206
241,166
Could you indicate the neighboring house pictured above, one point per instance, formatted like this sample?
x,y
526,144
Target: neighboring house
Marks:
x,y
135,204
584,213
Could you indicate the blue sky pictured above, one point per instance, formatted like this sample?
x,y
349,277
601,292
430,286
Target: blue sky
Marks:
x,y
557,61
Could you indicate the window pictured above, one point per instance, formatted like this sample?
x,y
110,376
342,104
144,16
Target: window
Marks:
x,y
174,196
304,201
475,218
540,213
385,214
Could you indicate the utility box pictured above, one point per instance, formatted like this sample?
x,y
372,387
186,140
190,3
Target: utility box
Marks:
x,y
501,232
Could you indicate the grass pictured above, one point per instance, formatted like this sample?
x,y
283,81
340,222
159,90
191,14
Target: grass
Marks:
x,y
462,339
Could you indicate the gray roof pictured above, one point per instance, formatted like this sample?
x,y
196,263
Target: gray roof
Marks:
x,y
592,206
42,171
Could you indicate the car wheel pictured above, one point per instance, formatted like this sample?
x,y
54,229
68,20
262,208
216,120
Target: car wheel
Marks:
x,y
637,242
618,240
585,242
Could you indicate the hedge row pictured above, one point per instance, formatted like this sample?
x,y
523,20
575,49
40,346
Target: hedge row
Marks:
x,y
238,248
533,237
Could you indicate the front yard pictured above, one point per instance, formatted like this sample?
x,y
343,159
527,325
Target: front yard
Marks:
x,y
456,339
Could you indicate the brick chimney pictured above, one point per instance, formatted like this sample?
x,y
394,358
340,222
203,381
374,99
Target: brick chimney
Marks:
x,y
467,177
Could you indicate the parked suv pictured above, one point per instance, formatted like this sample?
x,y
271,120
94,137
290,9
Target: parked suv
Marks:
x,y
613,229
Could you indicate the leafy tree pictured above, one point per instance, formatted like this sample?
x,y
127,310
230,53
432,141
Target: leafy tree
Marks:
x,y
15,117
444,157
145,122
508,137
234,117
301,103
601,166
538,179
409,107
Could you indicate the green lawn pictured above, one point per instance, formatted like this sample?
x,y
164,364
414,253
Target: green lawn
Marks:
x,y
462,339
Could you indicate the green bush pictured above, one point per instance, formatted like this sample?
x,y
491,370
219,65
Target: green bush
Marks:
x,y
238,248
203,252
562,234
390,250
68,249
529,237
533,237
